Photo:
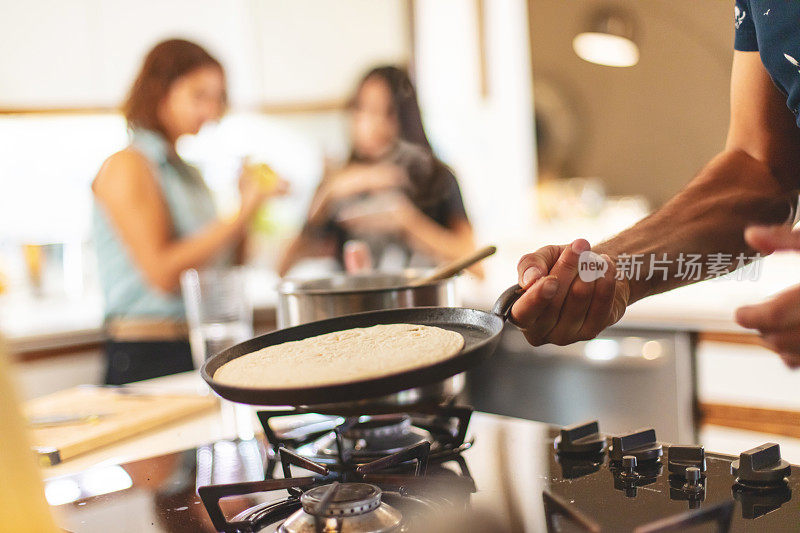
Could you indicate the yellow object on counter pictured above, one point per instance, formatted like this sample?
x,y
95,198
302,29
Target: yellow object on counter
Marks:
x,y
34,261
23,507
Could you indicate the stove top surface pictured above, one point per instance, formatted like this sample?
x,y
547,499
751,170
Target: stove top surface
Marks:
x,y
512,463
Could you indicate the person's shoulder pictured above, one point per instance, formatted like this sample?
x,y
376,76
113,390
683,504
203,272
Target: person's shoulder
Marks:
x,y
126,159
126,169
446,175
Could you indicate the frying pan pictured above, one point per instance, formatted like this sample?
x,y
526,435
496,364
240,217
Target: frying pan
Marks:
x,y
480,329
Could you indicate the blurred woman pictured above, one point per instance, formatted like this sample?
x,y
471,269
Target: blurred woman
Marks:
x,y
154,215
393,194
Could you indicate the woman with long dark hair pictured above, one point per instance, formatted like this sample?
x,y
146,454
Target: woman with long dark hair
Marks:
x,y
155,216
393,194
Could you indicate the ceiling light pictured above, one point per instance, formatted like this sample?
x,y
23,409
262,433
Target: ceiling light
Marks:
x,y
609,40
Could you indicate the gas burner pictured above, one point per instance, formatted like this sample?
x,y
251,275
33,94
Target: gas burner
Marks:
x,y
379,427
345,440
343,507
366,437
371,498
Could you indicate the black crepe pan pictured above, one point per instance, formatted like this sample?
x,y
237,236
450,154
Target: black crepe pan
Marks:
x,y
480,329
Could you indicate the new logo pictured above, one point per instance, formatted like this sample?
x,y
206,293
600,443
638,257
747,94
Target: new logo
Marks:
x,y
591,266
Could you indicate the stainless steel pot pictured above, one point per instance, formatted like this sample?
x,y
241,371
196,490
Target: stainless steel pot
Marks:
x,y
301,301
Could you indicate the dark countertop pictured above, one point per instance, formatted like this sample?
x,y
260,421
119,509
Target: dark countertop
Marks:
x,y
512,463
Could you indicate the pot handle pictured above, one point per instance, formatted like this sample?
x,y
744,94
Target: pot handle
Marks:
x,y
502,307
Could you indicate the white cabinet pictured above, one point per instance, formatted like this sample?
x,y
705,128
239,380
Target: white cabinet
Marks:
x,y
85,53
128,30
315,50
47,52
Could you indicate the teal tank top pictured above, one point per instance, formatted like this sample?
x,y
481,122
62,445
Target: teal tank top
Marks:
x,y
191,207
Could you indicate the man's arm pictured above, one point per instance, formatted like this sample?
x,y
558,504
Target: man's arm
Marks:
x,y
751,182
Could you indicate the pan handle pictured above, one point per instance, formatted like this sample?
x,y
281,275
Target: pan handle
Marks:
x,y
502,307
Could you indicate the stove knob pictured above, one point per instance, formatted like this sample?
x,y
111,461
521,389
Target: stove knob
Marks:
x,y
628,465
679,458
692,475
581,439
641,444
761,466
626,478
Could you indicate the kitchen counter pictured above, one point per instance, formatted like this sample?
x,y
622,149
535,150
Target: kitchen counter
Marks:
x,y
220,424
215,424
32,324
508,464
511,462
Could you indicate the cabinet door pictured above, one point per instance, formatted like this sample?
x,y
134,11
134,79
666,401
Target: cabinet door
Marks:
x,y
48,57
128,30
315,50
85,53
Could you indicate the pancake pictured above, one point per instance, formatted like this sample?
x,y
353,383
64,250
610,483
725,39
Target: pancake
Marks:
x,y
341,357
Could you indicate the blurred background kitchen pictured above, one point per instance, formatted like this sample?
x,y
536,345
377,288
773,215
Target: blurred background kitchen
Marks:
x,y
559,119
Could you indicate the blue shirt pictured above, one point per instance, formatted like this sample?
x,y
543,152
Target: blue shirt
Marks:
x,y
772,28
190,204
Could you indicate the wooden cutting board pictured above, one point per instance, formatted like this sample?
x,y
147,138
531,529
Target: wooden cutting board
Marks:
x,y
123,414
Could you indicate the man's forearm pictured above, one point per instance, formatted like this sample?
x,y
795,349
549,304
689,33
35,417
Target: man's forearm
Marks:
x,y
708,217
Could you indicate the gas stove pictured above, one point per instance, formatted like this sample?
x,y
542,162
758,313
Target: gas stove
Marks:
x,y
396,493
342,439
517,476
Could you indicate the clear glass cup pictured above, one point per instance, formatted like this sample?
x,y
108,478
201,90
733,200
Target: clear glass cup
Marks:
x,y
218,311
219,315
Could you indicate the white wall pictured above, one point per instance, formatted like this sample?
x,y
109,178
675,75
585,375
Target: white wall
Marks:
x,y
646,129
86,52
317,49
487,140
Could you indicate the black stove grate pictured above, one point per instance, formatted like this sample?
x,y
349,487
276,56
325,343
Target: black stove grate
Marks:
x,y
411,479
445,423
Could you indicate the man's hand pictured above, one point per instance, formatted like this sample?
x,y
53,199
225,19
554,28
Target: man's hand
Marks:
x,y
778,319
559,307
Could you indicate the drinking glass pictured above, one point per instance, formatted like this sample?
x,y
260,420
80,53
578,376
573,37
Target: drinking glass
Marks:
x,y
218,312
219,315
